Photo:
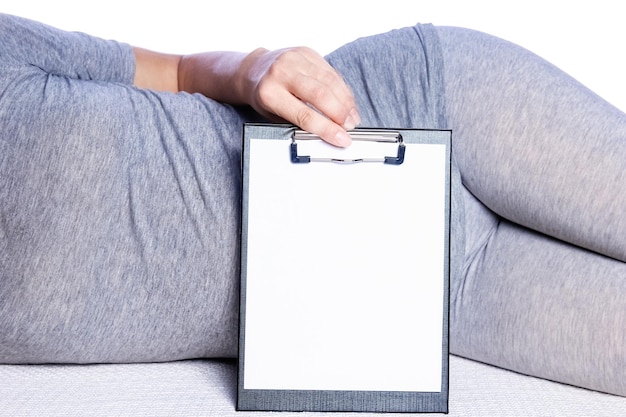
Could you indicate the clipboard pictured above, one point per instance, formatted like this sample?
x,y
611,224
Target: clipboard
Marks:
x,y
345,271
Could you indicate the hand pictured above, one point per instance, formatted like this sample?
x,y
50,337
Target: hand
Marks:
x,y
299,86
294,84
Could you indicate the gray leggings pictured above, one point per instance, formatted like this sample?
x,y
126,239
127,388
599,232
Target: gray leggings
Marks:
x,y
543,163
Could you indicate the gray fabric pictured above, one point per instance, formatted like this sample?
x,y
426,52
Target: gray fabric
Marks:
x,y
208,388
120,208
543,160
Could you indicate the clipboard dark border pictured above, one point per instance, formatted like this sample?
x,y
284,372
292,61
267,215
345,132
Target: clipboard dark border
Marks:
x,y
343,401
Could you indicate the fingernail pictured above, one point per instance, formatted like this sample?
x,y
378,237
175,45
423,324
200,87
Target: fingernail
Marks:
x,y
350,123
342,139
355,116
353,120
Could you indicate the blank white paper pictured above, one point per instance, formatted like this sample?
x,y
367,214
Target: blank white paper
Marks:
x,y
345,269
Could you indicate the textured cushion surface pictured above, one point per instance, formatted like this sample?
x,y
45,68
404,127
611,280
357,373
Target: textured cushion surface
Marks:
x,y
208,388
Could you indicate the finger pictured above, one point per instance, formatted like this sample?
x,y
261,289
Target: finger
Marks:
x,y
297,112
309,77
318,62
323,98
339,104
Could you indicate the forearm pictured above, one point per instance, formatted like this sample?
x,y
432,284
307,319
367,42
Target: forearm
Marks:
x,y
214,74
156,71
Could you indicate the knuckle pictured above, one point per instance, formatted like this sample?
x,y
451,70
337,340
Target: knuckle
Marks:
x,y
265,96
262,90
265,90
288,57
318,94
277,70
328,77
304,117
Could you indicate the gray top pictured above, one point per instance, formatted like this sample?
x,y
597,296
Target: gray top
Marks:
x,y
120,207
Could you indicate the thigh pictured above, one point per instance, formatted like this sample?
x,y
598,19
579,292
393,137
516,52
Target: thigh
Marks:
x,y
543,307
533,144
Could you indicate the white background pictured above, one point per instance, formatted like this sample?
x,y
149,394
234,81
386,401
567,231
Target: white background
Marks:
x,y
585,38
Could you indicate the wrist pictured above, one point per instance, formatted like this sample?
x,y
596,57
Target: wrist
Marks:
x,y
222,76
249,73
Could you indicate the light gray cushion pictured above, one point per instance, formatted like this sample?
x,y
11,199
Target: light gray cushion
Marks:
x,y
208,388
